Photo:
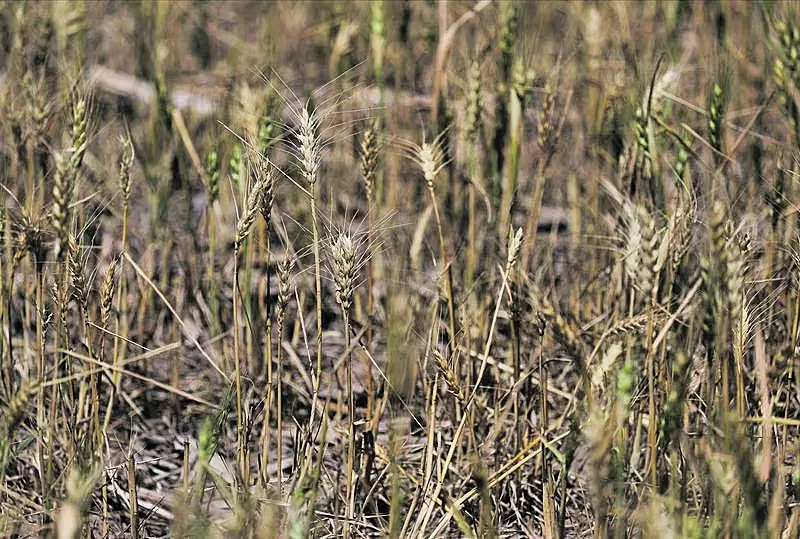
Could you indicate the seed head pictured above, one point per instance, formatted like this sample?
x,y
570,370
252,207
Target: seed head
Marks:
x,y
78,128
75,264
369,159
514,244
107,292
429,158
236,164
343,263
252,208
474,102
266,175
309,144
212,169
285,268
640,253
125,164
63,187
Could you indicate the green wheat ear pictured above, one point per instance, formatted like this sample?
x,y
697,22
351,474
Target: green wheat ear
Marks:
x,y
716,119
212,172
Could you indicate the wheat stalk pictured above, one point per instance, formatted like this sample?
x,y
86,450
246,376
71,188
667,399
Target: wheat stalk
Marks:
x,y
343,267
309,149
369,151
429,156
285,268
252,209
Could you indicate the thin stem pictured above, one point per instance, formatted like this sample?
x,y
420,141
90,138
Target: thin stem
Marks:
x,y
237,367
268,365
213,298
447,272
370,307
350,428
515,352
652,386
46,472
535,210
279,398
132,494
121,325
318,291
268,405
472,217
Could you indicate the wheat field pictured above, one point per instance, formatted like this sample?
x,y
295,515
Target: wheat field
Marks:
x,y
395,268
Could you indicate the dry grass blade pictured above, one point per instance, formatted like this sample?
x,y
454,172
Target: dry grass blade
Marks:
x,y
169,306
148,380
